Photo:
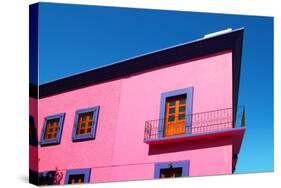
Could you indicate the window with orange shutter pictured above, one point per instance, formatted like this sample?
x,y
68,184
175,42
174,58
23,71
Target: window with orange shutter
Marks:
x,y
85,124
52,129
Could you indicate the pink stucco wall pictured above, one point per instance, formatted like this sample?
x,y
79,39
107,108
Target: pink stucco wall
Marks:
x,y
85,153
33,150
207,157
118,152
211,78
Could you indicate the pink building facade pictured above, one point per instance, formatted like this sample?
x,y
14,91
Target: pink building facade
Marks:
x,y
170,113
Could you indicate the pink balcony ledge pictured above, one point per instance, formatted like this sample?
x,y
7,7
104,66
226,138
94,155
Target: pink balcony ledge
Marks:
x,y
199,126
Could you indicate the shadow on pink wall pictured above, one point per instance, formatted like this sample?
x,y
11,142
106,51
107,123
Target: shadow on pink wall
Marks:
x,y
188,145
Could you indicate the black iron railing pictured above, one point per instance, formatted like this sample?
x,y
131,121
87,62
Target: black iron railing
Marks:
x,y
203,122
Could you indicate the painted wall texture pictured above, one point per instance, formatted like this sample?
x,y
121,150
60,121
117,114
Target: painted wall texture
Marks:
x,y
33,150
119,152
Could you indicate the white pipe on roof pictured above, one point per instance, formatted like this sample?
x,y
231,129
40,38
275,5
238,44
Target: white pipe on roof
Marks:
x,y
218,33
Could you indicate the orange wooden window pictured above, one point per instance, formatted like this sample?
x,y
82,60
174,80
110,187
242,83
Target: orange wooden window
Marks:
x,y
170,172
175,112
85,123
79,178
52,129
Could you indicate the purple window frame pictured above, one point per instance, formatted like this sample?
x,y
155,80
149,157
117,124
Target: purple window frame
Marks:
x,y
47,142
92,134
85,171
189,101
179,164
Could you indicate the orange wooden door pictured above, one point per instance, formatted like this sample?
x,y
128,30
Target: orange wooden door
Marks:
x,y
175,112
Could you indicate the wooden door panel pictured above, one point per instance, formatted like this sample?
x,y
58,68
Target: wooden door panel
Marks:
x,y
175,120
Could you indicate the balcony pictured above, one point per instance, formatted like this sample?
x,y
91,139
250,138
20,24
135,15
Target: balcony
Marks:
x,y
197,125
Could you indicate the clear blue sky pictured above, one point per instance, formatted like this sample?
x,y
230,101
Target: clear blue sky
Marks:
x,y
77,38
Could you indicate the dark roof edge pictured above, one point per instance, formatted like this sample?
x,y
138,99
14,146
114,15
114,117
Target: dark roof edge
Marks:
x,y
33,90
194,49
236,69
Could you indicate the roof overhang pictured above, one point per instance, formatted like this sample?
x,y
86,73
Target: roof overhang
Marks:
x,y
199,48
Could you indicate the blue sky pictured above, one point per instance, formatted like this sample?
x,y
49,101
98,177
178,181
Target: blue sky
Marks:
x,y
77,38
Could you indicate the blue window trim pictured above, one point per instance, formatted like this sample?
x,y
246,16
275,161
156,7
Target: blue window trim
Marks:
x,y
91,135
189,100
85,171
33,140
46,142
179,164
